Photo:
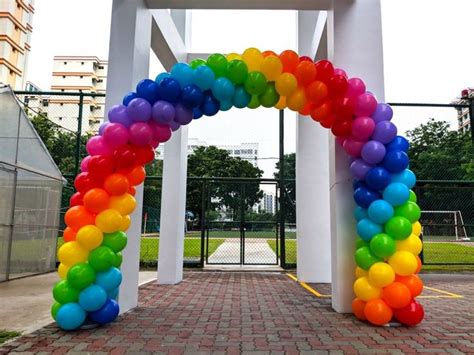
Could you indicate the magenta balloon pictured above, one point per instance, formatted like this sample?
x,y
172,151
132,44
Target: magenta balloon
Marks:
x,y
162,112
373,152
141,133
385,132
118,114
154,143
116,134
356,87
339,71
365,105
183,115
359,169
174,126
162,133
383,112
139,110
97,146
363,127
84,164
340,140
353,147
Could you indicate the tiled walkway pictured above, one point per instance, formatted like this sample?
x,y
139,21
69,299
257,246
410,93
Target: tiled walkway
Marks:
x,y
224,312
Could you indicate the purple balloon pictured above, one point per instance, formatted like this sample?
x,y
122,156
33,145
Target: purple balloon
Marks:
x,y
174,126
102,127
373,152
162,112
118,114
183,115
385,132
383,112
359,168
139,110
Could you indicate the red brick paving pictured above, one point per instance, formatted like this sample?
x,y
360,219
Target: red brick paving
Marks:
x,y
233,313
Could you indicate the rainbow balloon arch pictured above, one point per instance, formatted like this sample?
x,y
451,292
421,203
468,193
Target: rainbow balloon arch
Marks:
x,y
387,240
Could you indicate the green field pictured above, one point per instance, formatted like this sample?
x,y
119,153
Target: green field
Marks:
x,y
7,334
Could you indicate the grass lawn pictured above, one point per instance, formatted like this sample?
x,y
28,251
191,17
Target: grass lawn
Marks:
x,y
6,334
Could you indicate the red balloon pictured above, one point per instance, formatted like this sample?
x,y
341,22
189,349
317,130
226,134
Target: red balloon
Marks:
x,y
144,154
124,157
343,108
76,199
328,121
342,128
325,70
84,182
100,167
410,315
306,110
321,112
337,86
305,58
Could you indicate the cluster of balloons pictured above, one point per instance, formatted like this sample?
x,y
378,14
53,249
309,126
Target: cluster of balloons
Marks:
x,y
387,212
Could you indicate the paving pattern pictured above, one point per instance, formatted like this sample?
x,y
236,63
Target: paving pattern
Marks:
x,y
256,251
260,313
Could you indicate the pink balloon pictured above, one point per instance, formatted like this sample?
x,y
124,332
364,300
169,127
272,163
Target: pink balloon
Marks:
x,y
97,146
362,128
141,133
116,134
365,105
339,71
353,147
340,141
84,164
356,87
162,133
155,143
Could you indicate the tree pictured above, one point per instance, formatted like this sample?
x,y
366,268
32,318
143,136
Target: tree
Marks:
x,y
290,186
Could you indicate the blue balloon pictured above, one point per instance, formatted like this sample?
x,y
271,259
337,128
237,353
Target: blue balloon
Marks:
x,y
223,89
183,73
92,298
398,143
191,96
70,316
360,213
113,294
225,105
395,161
197,113
366,229
129,97
107,313
356,183
406,177
241,98
203,77
364,196
148,90
169,90
380,211
396,194
161,76
378,178
109,279
210,106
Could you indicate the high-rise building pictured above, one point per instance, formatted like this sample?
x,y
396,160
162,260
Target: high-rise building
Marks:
x,y
15,32
268,202
464,121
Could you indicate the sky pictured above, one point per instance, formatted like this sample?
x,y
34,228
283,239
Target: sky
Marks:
x,y
427,58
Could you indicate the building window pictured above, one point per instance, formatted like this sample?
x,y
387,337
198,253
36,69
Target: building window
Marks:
x,y
12,72
61,104
65,63
64,76
60,118
13,49
45,103
62,90
81,76
82,63
101,67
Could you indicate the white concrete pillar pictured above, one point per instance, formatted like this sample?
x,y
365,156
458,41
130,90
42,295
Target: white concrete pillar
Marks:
x,y
312,172
355,45
129,53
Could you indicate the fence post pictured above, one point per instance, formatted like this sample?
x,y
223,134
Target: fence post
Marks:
x,y
471,121
78,133
203,220
282,191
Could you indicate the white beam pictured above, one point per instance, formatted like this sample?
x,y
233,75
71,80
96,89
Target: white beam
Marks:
x,y
241,4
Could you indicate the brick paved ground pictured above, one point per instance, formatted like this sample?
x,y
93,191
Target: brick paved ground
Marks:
x,y
230,313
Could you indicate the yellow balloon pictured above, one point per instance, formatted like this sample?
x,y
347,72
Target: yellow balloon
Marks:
x,y
285,84
403,263
125,203
72,253
271,67
296,100
359,272
253,58
126,221
416,228
281,104
62,271
109,220
232,56
381,274
364,290
412,244
89,237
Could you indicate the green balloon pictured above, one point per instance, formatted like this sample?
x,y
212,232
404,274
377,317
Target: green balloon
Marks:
x,y
412,197
54,309
101,258
116,241
80,276
254,102
361,243
409,210
365,259
256,83
118,260
197,63
398,227
218,63
63,292
270,97
237,71
382,245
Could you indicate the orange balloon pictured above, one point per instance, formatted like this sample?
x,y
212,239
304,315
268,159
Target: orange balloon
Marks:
x,y
96,200
69,235
378,312
358,308
306,110
116,184
413,282
396,295
78,216
305,72
420,264
296,100
317,92
321,112
290,60
268,53
137,175
132,190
